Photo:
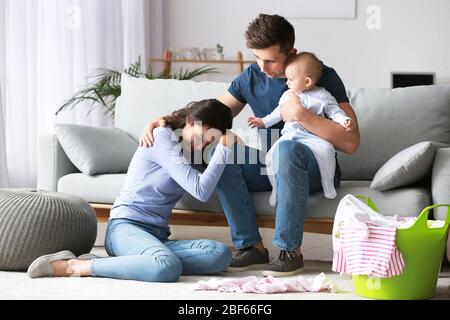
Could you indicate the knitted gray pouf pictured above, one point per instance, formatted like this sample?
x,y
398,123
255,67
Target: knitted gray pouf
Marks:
x,y
36,222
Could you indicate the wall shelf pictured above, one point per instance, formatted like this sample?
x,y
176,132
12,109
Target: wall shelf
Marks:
x,y
167,61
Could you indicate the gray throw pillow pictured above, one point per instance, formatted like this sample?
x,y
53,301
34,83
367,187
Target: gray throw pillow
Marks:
x,y
406,167
96,150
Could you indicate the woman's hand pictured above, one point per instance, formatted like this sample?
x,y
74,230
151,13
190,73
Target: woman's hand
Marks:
x,y
228,139
146,138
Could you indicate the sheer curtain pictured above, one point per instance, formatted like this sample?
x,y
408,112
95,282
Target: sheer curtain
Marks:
x,y
3,170
50,48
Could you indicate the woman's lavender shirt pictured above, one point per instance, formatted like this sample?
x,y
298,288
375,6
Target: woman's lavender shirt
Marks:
x,y
158,177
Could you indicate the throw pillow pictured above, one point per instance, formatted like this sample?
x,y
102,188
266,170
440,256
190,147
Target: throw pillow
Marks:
x,y
406,167
96,150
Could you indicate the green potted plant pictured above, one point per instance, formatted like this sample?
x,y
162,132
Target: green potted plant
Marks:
x,y
105,88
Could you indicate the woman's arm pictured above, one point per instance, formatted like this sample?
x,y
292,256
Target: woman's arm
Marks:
x,y
166,152
344,140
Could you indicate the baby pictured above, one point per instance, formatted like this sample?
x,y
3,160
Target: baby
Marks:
x,y
303,71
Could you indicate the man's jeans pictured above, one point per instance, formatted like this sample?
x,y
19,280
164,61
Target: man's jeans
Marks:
x,y
143,252
298,175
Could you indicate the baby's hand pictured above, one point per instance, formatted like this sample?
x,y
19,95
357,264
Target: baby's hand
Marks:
x,y
254,122
349,124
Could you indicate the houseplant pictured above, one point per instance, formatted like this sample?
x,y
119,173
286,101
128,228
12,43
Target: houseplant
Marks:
x,y
104,87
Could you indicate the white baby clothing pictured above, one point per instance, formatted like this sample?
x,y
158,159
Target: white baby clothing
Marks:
x,y
269,284
321,102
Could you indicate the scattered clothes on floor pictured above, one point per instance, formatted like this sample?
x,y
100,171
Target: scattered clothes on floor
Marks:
x,y
253,284
364,240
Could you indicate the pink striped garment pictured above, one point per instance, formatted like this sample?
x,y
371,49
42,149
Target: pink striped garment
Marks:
x,y
375,256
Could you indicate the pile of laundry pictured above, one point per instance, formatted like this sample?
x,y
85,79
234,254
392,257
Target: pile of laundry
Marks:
x,y
269,284
364,240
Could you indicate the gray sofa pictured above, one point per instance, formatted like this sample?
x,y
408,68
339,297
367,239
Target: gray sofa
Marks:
x,y
390,121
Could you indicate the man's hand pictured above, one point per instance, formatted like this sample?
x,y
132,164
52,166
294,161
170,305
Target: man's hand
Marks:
x,y
254,122
146,138
292,109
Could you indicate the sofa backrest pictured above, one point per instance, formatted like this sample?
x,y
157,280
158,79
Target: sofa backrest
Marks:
x,y
389,119
143,100
393,119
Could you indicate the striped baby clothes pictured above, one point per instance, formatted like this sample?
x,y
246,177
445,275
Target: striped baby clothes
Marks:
x,y
373,253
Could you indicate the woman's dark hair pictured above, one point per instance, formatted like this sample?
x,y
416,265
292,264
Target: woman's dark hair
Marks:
x,y
211,112
269,30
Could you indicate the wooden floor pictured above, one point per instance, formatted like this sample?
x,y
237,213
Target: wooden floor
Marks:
x,y
204,218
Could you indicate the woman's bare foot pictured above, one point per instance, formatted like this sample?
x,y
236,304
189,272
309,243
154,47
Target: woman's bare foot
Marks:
x,y
71,268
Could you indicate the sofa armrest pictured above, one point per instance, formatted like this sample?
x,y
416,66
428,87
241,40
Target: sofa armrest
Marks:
x,y
440,181
52,163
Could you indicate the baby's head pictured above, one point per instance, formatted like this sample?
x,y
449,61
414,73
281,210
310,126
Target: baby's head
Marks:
x,y
303,71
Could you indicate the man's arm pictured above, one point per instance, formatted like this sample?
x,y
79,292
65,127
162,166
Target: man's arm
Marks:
x,y
343,140
231,102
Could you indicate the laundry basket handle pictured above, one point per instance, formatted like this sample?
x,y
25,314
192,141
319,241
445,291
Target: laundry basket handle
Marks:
x,y
423,216
369,202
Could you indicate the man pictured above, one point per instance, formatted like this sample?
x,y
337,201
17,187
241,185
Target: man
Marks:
x,y
271,39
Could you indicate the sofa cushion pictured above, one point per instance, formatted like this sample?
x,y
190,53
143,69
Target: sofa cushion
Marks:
x,y
96,150
403,201
102,188
391,120
406,167
143,100
440,182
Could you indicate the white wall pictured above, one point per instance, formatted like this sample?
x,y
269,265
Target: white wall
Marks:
x,y
414,36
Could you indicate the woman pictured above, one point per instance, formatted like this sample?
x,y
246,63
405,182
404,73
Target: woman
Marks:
x,y
137,233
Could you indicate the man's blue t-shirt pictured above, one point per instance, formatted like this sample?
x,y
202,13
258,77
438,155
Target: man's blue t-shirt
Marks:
x,y
263,93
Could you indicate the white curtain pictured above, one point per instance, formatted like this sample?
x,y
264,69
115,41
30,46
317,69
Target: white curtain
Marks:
x,y
51,47
3,169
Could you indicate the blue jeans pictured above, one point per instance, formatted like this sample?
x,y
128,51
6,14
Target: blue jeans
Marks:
x,y
298,175
143,252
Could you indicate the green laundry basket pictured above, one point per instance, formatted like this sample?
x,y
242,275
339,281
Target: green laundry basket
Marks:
x,y
423,250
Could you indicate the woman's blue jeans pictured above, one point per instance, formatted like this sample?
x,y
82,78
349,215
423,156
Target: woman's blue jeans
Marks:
x,y
143,252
